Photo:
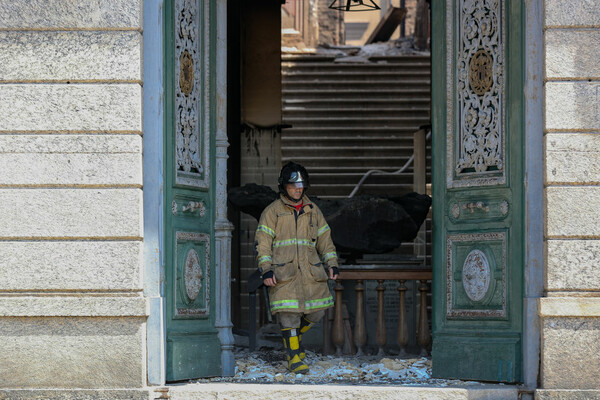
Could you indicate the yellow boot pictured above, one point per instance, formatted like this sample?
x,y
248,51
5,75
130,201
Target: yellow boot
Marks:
x,y
305,325
291,343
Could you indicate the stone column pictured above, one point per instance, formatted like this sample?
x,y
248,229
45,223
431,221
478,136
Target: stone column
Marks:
x,y
223,227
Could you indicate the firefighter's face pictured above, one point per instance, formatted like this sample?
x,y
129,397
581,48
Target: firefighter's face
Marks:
x,y
295,190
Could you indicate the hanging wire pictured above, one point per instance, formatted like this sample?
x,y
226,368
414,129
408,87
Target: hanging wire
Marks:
x,y
379,172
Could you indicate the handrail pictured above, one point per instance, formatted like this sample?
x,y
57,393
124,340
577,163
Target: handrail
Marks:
x,y
379,172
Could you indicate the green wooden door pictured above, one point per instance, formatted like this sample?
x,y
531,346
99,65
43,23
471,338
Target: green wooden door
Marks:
x,y
193,348
478,189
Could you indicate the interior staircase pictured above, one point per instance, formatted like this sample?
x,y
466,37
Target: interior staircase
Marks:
x,y
347,118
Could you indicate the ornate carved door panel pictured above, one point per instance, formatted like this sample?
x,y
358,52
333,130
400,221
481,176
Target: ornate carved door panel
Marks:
x,y
193,348
478,189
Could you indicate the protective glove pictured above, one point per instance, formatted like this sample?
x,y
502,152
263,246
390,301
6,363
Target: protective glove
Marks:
x,y
269,278
333,272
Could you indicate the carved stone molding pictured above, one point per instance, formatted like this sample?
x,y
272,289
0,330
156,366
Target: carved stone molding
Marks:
x,y
192,258
476,275
476,94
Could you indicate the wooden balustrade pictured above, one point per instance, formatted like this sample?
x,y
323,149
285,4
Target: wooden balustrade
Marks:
x,y
380,273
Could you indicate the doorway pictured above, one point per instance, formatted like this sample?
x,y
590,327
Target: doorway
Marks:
x,y
443,70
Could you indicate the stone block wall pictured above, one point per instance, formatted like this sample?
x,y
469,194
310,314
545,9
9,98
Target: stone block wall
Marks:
x,y
570,312
72,312
331,24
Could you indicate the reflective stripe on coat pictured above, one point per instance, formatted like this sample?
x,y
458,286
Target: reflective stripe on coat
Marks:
x,y
297,247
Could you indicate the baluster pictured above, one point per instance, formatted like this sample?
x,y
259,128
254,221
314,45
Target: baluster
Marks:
x,y
402,336
424,337
381,333
338,322
360,333
348,347
327,322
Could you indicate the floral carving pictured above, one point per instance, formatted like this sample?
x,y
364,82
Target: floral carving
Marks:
x,y
480,145
186,73
189,152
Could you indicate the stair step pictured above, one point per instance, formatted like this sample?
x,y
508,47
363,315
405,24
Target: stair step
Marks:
x,y
313,141
342,112
332,57
354,152
366,95
350,100
397,71
291,109
365,106
372,66
348,169
335,191
386,163
353,76
400,82
431,389
351,130
407,122
353,91
373,119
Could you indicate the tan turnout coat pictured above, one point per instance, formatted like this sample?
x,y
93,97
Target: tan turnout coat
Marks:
x,y
297,247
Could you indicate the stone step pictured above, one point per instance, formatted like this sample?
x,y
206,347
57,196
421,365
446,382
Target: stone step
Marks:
x,y
335,141
247,391
367,84
352,91
332,95
353,101
356,122
350,131
335,191
366,70
329,58
352,151
341,108
357,139
302,112
389,162
379,64
354,76
349,169
353,179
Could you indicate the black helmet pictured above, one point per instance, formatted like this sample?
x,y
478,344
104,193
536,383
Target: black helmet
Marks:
x,y
292,173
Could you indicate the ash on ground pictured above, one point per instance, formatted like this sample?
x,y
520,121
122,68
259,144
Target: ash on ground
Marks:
x,y
269,366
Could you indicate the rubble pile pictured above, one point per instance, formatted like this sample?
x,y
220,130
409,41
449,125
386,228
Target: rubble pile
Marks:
x,y
269,366
394,47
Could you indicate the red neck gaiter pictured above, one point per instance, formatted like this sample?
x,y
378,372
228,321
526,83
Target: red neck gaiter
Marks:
x,y
299,206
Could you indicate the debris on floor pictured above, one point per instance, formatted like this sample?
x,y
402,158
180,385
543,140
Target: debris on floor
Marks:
x,y
269,366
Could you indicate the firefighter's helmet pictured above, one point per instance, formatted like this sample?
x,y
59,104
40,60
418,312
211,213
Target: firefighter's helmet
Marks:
x,y
293,173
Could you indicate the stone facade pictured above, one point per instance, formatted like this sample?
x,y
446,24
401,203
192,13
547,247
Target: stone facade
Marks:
x,y
570,324
72,312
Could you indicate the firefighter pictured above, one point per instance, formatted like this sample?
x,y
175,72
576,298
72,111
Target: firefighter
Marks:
x,y
296,257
